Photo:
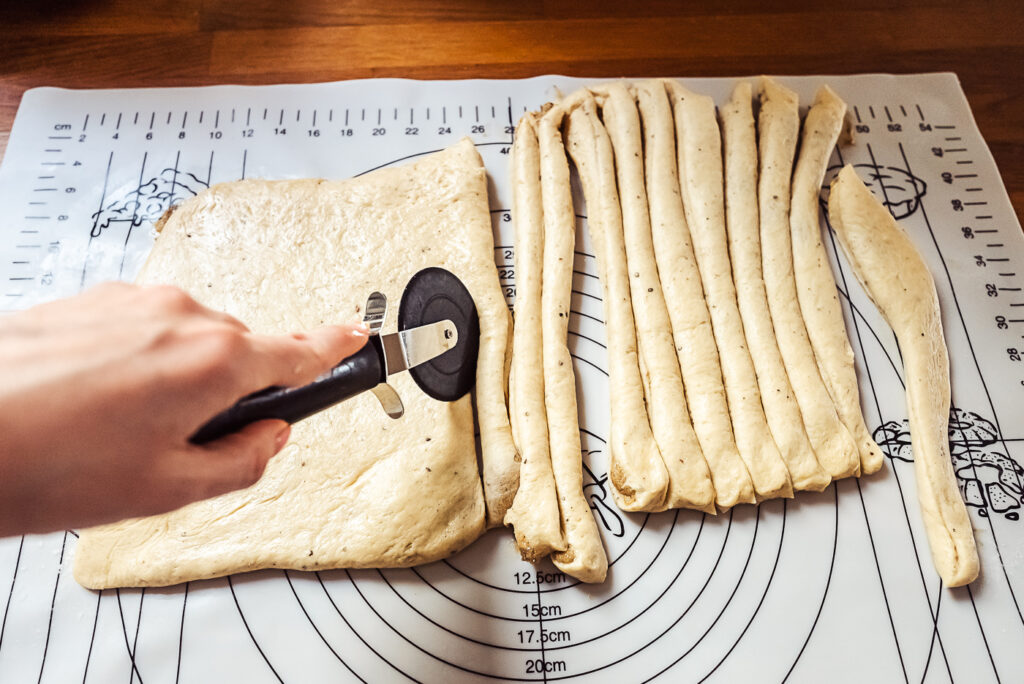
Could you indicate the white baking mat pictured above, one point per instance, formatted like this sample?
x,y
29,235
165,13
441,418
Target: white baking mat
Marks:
x,y
836,586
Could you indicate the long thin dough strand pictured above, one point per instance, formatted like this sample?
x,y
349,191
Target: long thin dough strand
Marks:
x,y
534,512
699,147
499,457
584,557
689,479
783,413
684,296
637,472
778,126
896,278
815,284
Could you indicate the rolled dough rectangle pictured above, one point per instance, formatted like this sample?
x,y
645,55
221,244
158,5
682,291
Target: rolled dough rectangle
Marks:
x,y
353,488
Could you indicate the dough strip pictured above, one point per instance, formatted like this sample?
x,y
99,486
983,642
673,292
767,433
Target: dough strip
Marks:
x,y
739,145
637,472
684,296
584,556
778,126
698,146
815,284
896,278
689,479
499,458
534,512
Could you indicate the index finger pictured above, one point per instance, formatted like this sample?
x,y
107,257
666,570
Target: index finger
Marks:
x,y
299,358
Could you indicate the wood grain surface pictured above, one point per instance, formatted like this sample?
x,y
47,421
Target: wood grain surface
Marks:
x,y
125,43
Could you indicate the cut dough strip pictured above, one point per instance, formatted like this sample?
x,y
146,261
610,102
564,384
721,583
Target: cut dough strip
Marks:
x,y
637,472
778,127
684,296
498,456
689,479
698,145
815,284
534,512
896,278
584,557
780,407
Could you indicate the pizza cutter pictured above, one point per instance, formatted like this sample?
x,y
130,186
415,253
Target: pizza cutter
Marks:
x,y
437,342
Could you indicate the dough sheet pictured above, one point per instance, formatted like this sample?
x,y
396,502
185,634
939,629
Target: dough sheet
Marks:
x,y
353,488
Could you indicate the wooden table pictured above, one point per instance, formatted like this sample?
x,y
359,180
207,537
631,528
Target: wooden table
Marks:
x,y
120,43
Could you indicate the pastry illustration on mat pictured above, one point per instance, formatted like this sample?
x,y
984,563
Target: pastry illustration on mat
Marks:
x,y
148,202
898,189
990,480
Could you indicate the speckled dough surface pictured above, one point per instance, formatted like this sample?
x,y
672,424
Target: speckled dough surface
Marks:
x,y
689,481
699,151
636,471
815,284
778,129
353,488
584,556
739,145
896,278
534,514
684,295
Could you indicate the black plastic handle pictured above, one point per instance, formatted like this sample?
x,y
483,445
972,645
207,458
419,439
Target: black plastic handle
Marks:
x,y
362,371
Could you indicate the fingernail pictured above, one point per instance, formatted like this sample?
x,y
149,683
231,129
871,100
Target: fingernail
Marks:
x,y
359,330
282,438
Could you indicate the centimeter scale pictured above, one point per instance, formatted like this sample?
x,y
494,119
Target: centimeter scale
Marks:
x,y
837,585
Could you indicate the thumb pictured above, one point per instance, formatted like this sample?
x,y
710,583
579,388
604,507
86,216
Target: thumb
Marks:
x,y
237,460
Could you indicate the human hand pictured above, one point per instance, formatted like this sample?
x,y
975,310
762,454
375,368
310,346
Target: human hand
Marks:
x,y
101,392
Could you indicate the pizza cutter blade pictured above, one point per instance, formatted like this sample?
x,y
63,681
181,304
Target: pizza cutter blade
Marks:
x,y
433,295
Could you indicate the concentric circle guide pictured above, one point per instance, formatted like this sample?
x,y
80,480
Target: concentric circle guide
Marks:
x,y
836,586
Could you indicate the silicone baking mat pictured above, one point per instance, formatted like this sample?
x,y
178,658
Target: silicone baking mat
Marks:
x,y
836,586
